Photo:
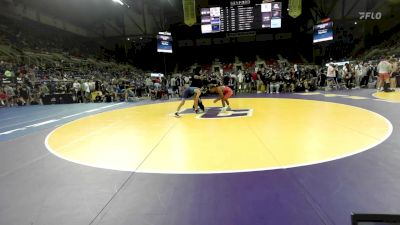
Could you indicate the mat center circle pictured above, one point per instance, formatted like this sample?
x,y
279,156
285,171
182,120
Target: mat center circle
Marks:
x,y
279,133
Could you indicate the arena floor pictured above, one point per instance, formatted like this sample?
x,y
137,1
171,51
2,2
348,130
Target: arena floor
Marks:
x,y
312,158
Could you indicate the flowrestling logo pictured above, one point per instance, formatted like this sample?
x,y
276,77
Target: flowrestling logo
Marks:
x,y
370,15
217,113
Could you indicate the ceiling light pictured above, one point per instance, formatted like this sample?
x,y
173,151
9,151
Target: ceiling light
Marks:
x,y
118,1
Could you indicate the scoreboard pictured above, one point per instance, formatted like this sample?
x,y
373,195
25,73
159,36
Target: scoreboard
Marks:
x,y
241,16
164,42
323,32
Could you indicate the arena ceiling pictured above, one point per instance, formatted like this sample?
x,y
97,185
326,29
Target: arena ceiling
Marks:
x,y
83,12
93,13
90,14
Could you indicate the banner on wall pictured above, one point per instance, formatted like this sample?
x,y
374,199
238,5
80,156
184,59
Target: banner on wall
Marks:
x,y
294,8
189,12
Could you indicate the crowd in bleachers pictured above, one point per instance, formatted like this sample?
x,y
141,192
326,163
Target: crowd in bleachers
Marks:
x,y
22,84
277,78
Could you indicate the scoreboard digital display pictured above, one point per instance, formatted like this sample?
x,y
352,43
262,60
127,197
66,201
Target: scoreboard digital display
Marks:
x,y
323,32
241,16
164,42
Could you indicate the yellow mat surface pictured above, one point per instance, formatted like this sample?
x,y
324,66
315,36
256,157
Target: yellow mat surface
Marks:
x,y
389,96
276,133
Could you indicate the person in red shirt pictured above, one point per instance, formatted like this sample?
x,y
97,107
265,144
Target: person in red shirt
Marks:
x,y
254,80
224,93
3,97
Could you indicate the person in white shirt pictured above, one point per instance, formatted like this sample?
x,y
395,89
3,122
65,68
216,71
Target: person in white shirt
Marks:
x,y
77,87
149,85
240,79
364,75
358,74
384,71
86,90
331,71
348,75
174,85
331,78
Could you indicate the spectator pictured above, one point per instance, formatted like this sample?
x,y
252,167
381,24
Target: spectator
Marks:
x,y
348,75
86,91
240,79
384,70
274,83
394,73
3,97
